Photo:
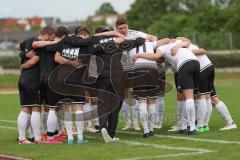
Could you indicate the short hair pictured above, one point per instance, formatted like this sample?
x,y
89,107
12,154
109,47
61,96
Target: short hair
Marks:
x,y
76,29
46,30
103,29
61,31
82,29
121,21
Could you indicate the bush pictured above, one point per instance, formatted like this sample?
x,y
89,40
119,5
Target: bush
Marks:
x,y
225,60
9,62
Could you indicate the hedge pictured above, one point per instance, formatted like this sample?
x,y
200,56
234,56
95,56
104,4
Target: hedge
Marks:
x,y
9,62
225,60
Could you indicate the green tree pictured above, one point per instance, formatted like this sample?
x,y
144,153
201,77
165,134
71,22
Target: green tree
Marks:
x,y
106,8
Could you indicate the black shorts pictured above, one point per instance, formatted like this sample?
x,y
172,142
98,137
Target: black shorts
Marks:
x,y
213,93
29,91
72,100
147,83
48,96
206,80
188,76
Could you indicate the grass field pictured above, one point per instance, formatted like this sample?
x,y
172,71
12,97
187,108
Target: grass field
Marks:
x,y
214,145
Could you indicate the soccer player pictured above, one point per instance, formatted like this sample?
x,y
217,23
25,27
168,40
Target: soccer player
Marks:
x,y
122,27
29,86
207,92
188,68
29,92
147,103
48,97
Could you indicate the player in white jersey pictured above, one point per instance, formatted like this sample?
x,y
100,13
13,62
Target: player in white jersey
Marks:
x,y
186,65
207,91
206,79
147,100
122,27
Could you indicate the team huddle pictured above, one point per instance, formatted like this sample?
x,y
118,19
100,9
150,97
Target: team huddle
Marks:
x,y
88,79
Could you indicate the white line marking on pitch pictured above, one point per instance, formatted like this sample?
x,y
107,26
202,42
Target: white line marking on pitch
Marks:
x,y
4,127
164,136
11,157
194,151
188,138
8,121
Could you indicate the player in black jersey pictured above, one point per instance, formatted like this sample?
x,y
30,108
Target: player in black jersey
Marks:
x,y
29,86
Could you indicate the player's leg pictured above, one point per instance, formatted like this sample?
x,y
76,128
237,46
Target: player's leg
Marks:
x,y
79,122
152,112
143,112
126,111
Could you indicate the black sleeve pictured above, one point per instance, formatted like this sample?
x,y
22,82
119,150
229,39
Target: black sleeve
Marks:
x,y
138,42
77,41
22,55
23,45
97,50
97,39
55,47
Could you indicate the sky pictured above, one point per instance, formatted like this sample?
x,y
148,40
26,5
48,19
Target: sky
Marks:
x,y
66,10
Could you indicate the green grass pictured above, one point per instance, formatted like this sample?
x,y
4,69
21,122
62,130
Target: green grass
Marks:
x,y
9,80
228,86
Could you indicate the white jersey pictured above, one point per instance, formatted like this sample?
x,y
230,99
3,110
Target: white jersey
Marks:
x,y
148,47
203,59
182,56
132,34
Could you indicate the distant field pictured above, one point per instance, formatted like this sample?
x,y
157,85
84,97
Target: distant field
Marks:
x,y
215,145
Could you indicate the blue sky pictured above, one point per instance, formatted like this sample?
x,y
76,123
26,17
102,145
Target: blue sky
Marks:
x,y
67,10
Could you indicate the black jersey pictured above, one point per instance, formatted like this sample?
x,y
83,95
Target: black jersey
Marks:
x,y
25,47
47,63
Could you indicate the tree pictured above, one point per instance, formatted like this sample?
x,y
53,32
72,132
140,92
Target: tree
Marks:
x,y
144,12
106,8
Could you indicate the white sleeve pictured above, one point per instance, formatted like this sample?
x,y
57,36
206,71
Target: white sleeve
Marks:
x,y
192,47
137,34
162,49
154,45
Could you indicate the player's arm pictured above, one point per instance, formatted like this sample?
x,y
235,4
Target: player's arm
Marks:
x,y
184,44
111,33
77,41
31,62
151,38
61,60
163,41
149,56
199,51
40,44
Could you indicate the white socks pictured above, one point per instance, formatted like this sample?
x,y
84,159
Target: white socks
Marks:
x,y
68,124
136,112
144,116
87,112
51,123
60,120
181,115
80,124
95,115
190,110
151,116
23,119
44,121
223,112
36,125
201,111
160,109
126,111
